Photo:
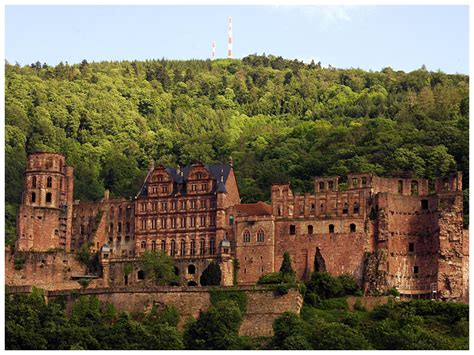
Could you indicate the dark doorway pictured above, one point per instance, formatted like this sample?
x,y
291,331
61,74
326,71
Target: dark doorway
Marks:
x,y
191,269
319,263
192,283
125,280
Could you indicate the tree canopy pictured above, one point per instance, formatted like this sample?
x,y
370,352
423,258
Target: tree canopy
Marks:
x,y
278,119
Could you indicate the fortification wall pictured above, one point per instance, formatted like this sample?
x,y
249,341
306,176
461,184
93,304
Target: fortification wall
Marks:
x,y
48,270
263,306
341,252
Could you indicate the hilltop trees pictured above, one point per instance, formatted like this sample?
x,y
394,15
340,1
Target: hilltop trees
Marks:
x,y
279,119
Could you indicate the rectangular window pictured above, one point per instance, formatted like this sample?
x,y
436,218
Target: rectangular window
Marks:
x,y
163,206
330,185
173,205
143,207
203,222
415,270
154,206
164,189
212,221
202,247
173,222
192,249
355,182
424,204
204,187
292,229
193,187
364,182
193,204
163,223
203,203
411,247
193,221
143,224
153,224
183,222
183,205
48,197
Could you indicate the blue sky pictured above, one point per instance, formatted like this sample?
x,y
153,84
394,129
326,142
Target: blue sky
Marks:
x,y
368,37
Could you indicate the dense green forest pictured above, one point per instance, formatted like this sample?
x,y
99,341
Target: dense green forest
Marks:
x,y
277,119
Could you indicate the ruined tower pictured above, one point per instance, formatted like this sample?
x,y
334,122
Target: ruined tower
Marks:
x,y
45,217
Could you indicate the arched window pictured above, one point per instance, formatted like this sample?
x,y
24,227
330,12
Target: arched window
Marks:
x,y
182,247
127,227
173,248
246,236
191,269
119,227
33,182
321,186
310,229
331,228
49,182
143,245
352,227
260,236
211,246
33,197
400,187
414,187
163,246
445,184
153,245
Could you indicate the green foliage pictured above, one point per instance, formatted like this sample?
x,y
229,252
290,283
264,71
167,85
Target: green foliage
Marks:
x,y
290,333
326,286
211,276
19,262
128,268
215,329
158,267
286,268
279,119
32,324
337,336
84,282
218,295
394,292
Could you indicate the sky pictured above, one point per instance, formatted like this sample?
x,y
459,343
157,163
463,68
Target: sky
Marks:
x,y
368,37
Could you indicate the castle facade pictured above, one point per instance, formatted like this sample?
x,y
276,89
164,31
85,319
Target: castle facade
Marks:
x,y
386,232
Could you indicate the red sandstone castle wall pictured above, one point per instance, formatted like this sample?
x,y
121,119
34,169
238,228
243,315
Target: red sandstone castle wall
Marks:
x,y
48,270
342,252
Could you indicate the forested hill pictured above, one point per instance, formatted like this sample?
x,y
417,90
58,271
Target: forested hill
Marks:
x,y
278,119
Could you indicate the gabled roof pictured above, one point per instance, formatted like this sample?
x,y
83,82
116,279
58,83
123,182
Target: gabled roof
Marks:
x,y
254,209
180,177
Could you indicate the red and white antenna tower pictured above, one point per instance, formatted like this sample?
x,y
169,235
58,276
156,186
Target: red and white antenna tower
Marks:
x,y
213,53
229,48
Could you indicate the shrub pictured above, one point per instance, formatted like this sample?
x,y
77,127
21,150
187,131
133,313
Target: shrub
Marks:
x,y
286,328
281,289
337,336
394,292
358,306
286,268
84,282
333,303
158,267
211,276
239,297
19,262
